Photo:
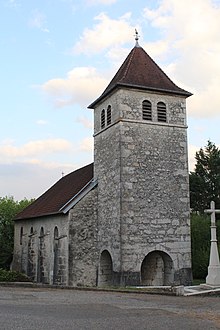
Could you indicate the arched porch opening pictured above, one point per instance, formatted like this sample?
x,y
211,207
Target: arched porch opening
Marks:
x,y
105,274
157,269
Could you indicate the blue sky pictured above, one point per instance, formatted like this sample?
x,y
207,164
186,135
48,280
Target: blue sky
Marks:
x,y
57,56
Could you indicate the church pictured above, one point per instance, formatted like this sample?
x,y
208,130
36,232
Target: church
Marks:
x,y
125,219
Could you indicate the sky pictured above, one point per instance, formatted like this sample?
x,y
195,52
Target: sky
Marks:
x,y
57,57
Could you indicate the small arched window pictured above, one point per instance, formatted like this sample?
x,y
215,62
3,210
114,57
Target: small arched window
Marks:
x,y
21,235
146,110
161,112
31,231
102,119
41,233
56,233
109,115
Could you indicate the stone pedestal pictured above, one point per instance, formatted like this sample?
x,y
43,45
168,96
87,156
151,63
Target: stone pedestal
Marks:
x,y
213,277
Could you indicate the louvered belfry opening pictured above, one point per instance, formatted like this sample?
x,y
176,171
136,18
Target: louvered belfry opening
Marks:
x,y
109,115
102,119
161,112
146,110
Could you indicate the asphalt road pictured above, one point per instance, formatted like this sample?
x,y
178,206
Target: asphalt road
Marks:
x,y
50,309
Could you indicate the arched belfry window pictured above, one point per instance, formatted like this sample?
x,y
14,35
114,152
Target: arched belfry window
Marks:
x,y
146,110
161,112
109,115
103,119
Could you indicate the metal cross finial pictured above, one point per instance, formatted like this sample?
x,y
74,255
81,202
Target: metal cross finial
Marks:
x,y
136,38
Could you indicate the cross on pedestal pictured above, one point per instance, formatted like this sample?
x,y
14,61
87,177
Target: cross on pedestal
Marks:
x,y
213,277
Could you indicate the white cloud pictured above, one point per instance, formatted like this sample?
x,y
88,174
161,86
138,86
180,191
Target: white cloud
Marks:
x,y
9,152
72,4
37,152
82,86
30,180
117,55
87,144
192,149
25,173
85,122
206,103
13,4
156,49
39,21
105,34
193,43
41,122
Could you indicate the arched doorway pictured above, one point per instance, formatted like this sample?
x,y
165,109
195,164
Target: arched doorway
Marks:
x,y
105,276
157,269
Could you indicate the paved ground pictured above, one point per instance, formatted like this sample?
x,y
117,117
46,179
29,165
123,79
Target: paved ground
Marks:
x,y
50,309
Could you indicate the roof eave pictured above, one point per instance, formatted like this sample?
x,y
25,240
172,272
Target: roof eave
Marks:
x,y
68,205
39,216
76,198
180,92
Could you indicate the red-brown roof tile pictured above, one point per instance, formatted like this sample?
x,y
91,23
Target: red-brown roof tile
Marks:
x,y
140,71
59,194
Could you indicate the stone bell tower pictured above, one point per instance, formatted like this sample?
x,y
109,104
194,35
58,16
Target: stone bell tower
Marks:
x,y
140,140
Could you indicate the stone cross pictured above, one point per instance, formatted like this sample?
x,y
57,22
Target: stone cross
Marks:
x,y
213,277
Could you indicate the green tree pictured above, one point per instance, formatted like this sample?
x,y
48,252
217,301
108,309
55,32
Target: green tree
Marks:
x,y
200,240
205,179
8,210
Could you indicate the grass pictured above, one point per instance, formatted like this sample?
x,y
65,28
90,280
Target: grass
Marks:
x,y
198,281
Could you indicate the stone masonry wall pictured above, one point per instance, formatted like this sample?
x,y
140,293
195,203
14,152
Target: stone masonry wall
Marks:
x,y
107,170
155,199
142,173
83,253
27,255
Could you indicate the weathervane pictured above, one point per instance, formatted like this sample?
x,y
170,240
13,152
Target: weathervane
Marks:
x,y
136,38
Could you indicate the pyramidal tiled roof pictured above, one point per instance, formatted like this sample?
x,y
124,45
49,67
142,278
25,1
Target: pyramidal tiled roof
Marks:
x,y
60,194
140,71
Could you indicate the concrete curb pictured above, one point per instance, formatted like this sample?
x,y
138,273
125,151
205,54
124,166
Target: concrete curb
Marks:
x,y
159,290
171,291
202,290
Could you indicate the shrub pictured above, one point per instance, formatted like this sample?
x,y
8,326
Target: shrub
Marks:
x,y
12,276
200,238
8,210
